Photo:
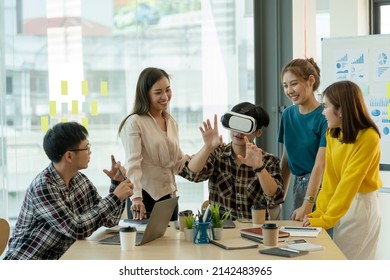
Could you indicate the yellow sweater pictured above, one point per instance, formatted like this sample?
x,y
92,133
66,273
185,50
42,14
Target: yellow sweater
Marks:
x,y
349,169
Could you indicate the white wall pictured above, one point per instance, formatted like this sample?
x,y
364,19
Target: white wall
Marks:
x,y
349,17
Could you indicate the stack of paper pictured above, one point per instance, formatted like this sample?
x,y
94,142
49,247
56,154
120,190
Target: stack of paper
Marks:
x,y
302,231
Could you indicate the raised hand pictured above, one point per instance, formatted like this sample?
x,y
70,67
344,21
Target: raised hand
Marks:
x,y
117,171
210,135
253,156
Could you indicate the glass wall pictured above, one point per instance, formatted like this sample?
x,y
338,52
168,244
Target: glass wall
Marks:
x,y
385,19
78,60
380,16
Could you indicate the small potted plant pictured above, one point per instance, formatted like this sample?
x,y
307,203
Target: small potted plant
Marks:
x,y
217,220
188,229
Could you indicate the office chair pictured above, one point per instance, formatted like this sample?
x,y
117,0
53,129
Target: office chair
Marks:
x,y
4,234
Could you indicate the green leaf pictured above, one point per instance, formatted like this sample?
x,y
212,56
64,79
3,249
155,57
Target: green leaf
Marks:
x,y
189,221
216,220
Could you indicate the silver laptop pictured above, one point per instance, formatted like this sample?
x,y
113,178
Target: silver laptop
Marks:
x,y
158,222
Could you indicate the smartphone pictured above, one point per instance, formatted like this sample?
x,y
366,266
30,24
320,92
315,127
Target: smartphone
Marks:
x,y
296,241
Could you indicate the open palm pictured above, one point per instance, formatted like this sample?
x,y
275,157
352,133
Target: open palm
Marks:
x,y
253,156
211,137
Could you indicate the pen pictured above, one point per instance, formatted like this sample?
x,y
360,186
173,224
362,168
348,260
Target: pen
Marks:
x,y
123,175
299,228
120,171
206,214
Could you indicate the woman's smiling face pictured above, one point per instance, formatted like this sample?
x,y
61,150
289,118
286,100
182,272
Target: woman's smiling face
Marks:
x,y
297,90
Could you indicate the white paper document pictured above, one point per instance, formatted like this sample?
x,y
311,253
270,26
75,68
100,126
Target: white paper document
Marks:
x,y
302,231
306,247
139,225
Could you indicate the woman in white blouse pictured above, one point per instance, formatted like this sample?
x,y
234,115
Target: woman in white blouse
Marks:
x,y
151,142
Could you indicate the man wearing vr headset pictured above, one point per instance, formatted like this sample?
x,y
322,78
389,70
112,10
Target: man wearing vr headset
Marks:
x,y
240,174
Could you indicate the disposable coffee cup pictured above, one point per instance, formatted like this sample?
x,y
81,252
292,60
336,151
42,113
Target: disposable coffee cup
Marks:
x,y
127,238
270,234
183,214
258,214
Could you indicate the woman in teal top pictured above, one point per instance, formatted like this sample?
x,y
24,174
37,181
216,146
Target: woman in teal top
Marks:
x,y
302,133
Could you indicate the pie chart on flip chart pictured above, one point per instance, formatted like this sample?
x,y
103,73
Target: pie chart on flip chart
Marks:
x,y
382,58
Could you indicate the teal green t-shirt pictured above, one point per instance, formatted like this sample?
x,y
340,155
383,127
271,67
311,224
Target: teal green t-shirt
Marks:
x,y
302,135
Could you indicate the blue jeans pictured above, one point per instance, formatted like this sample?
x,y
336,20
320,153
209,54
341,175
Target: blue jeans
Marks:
x,y
299,190
299,193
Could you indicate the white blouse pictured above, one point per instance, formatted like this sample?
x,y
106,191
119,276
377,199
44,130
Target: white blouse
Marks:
x,y
152,157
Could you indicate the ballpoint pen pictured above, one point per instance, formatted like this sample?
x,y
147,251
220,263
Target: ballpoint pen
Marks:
x,y
120,171
299,228
123,175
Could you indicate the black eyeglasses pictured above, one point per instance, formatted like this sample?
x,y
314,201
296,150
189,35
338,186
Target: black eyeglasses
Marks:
x,y
88,148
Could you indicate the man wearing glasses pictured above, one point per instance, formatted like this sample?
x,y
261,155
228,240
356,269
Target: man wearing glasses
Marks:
x,y
61,204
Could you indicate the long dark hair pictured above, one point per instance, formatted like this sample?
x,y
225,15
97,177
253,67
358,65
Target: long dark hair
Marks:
x,y
347,97
147,78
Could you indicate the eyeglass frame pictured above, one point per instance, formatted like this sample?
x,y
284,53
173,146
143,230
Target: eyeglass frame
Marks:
x,y
88,148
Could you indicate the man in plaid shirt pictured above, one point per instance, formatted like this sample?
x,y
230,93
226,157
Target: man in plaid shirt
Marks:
x,y
239,173
61,204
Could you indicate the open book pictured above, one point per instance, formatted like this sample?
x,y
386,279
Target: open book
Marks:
x,y
256,234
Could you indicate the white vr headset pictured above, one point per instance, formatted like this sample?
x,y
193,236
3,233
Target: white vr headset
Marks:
x,y
239,122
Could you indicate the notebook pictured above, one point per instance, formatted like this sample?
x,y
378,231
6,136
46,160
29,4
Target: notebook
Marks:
x,y
283,252
234,244
155,228
256,234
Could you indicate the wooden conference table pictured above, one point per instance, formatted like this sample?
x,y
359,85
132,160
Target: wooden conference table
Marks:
x,y
172,246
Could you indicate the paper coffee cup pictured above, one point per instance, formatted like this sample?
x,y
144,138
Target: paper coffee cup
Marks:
x,y
258,214
270,234
127,238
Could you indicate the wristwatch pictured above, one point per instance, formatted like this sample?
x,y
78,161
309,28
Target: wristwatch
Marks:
x,y
258,170
309,198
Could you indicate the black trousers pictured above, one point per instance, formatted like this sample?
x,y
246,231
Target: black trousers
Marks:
x,y
149,204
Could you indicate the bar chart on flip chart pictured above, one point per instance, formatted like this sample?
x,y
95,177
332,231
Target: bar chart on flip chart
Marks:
x,y
364,60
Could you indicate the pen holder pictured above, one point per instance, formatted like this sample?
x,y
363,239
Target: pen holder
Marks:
x,y
202,232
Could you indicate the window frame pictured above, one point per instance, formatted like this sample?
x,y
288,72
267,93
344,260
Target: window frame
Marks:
x,y
375,14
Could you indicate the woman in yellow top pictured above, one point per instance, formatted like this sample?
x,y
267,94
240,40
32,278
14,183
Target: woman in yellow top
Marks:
x,y
348,199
